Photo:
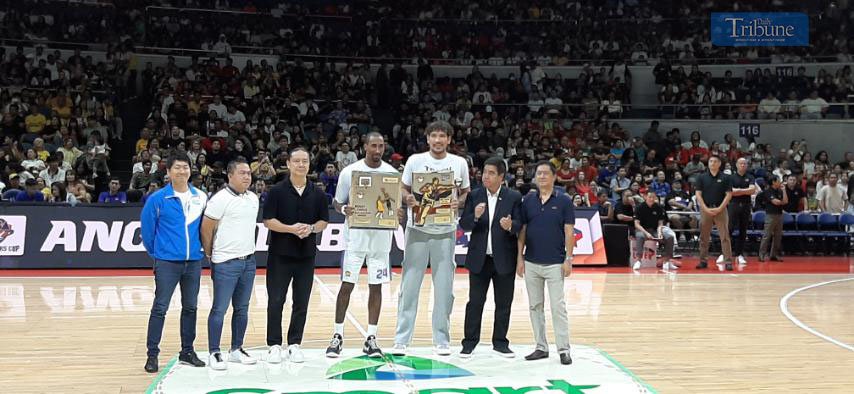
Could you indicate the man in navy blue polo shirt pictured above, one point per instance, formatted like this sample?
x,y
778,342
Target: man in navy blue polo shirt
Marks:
x,y
545,258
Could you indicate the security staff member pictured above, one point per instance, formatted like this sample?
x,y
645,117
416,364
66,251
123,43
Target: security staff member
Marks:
x,y
294,212
493,215
774,199
743,187
713,192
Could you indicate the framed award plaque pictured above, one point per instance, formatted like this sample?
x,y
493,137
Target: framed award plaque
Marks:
x,y
375,197
434,192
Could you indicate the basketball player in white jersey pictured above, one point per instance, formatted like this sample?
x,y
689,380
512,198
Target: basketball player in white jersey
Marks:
x,y
364,246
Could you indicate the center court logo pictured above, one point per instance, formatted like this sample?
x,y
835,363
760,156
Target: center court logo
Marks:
x,y
392,367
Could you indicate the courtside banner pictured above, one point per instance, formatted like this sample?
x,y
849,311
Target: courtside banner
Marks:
x,y
737,29
108,236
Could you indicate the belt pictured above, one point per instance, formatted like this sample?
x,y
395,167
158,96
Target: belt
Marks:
x,y
247,257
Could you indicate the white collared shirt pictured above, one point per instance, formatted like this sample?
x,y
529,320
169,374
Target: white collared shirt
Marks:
x,y
491,203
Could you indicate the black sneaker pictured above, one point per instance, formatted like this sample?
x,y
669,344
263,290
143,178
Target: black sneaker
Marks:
x,y
504,351
335,346
371,348
191,359
151,364
466,352
565,359
703,265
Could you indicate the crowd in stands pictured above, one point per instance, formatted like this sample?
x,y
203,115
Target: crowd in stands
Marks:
x,y
759,94
489,31
55,139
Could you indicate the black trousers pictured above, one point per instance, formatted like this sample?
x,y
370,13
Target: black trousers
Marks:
x,y
739,219
502,290
281,270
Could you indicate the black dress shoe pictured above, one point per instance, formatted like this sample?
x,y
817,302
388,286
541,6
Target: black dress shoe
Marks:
x,y
537,355
702,265
466,352
565,359
761,258
151,364
504,351
191,359
728,266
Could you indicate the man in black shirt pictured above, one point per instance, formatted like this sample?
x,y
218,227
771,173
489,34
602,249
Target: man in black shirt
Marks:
x,y
797,197
624,212
714,191
775,199
294,212
739,208
649,224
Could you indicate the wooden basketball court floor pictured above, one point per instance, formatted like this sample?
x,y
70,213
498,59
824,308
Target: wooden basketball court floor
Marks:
x,y
689,332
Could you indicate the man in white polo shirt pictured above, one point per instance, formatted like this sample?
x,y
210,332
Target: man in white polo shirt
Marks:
x,y
232,255
364,246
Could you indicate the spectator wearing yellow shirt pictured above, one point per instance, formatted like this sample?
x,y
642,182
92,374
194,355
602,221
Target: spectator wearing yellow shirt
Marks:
x,y
35,121
142,142
61,105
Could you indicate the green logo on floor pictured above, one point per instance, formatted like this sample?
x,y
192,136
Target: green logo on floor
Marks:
x,y
394,368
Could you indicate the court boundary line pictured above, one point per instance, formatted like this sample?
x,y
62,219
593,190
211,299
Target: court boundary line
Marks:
x,y
162,375
784,307
325,290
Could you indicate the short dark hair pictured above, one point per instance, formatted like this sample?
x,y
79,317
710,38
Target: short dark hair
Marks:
x,y
496,162
297,149
548,164
116,179
439,125
773,178
177,156
232,165
715,156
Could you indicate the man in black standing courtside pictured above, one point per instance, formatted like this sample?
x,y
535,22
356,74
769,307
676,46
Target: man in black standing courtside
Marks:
x,y
493,215
294,212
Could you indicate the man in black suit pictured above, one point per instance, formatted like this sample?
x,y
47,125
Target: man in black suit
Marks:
x,y
492,215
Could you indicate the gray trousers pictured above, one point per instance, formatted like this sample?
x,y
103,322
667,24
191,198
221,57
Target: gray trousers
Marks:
x,y
538,277
668,237
438,250
773,232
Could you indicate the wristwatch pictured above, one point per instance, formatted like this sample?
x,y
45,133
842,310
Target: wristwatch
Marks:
x,y
312,228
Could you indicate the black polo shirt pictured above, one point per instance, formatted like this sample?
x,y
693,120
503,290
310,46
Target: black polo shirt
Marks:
x,y
713,188
650,216
771,194
289,207
741,182
545,238
795,195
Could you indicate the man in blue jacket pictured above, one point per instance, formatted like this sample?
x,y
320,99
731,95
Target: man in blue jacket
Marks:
x,y
171,221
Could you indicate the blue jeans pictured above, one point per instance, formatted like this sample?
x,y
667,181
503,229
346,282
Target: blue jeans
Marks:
x,y
233,281
167,275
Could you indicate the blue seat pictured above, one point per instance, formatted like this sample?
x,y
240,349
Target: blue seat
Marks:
x,y
807,225
758,224
846,219
828,223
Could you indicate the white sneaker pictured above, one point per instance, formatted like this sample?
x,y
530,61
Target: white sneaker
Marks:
x,y
442,350
742,260
668,266
398,349
240,356
295,354
274,355
720,259
216,362
636,265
